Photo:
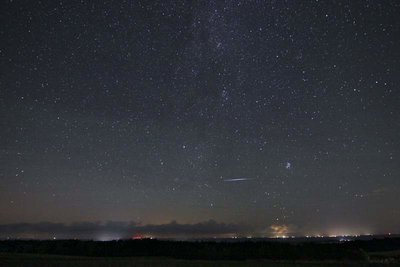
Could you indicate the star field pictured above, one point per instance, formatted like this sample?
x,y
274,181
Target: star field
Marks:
x,y
273,115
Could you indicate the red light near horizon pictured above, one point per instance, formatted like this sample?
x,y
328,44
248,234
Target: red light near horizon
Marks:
x,y
137,237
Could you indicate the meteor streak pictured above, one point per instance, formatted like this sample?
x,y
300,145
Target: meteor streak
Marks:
x,y
237,180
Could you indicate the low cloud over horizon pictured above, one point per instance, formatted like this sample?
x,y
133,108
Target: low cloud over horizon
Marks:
x,y
113,230
118,230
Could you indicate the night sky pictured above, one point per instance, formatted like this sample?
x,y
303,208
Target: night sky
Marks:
x,y
199,118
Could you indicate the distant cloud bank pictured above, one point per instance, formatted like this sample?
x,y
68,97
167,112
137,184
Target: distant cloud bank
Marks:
x,y
117,230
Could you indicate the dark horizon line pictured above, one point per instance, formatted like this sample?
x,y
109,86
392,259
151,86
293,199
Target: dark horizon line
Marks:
x,y
209,238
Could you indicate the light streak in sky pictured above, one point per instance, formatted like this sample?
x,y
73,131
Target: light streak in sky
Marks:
x,y
237,179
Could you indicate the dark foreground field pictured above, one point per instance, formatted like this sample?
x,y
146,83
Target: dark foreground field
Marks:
x,y
32,260
172,253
